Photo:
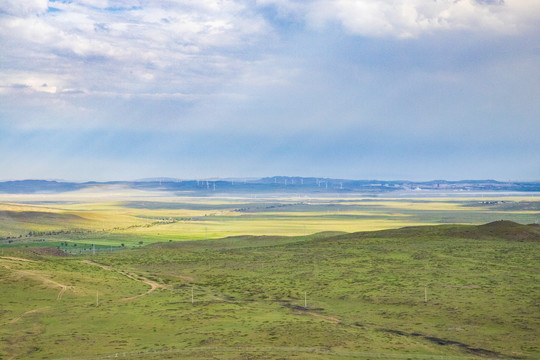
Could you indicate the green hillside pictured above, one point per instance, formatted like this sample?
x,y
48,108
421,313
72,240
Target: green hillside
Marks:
x,y
443,292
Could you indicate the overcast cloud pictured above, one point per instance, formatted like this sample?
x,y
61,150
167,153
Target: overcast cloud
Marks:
x,y
409,89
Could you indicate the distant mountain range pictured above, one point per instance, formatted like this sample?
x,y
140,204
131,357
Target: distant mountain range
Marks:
x,y
276,184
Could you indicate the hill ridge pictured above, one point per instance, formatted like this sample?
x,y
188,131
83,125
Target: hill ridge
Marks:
x,y
502,229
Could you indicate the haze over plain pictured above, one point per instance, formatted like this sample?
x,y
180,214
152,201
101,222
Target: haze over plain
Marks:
x,y
417,90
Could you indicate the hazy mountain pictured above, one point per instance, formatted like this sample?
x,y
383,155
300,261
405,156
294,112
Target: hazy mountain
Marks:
x,y
276,184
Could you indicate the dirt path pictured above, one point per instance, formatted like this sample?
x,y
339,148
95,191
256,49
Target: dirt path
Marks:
x,y
328,318
36,276
62,291
27,313
15,258
184,277
11,259
153,285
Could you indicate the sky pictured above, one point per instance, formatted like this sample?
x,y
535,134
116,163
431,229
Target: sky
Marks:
x,y
356,89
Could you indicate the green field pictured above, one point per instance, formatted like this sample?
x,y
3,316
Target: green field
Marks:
x,y
274,279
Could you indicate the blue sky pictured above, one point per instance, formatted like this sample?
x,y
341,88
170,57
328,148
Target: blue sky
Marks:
x,y
364,89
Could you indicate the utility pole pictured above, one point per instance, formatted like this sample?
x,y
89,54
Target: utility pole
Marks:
x,y
97,298
192,294
425,294
305,299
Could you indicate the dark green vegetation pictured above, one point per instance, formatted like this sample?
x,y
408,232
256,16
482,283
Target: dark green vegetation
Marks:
x,y
365,292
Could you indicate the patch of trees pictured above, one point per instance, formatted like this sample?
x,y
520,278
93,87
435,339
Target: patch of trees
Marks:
x,y
10,238
56,232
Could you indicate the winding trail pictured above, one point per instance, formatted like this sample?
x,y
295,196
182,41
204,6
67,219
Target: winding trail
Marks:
x,y
153,284
27,313
34,275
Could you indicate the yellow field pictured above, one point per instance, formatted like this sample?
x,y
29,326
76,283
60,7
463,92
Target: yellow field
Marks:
x,y
160,215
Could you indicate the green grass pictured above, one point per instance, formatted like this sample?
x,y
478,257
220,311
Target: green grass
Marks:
x,y
365,294
365,291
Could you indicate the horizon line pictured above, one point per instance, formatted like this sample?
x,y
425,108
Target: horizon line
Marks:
x,y
255,178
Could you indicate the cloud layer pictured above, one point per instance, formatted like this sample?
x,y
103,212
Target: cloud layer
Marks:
x,y
191,47
120,48
419,75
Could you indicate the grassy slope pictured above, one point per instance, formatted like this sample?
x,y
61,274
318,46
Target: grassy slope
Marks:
x,y
365,294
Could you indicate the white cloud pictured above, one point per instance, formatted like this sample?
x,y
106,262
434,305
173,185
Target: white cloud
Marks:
x,y
24,8
212,61
188,45
122,46
411,18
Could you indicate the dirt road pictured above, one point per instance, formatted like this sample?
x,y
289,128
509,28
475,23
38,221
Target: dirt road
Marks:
x,y
153,285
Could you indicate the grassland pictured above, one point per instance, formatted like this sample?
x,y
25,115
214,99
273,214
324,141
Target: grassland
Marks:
x,y
116,217
276,287
366,297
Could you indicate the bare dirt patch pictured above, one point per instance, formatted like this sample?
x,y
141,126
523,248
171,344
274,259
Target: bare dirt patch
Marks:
x,y
51,251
